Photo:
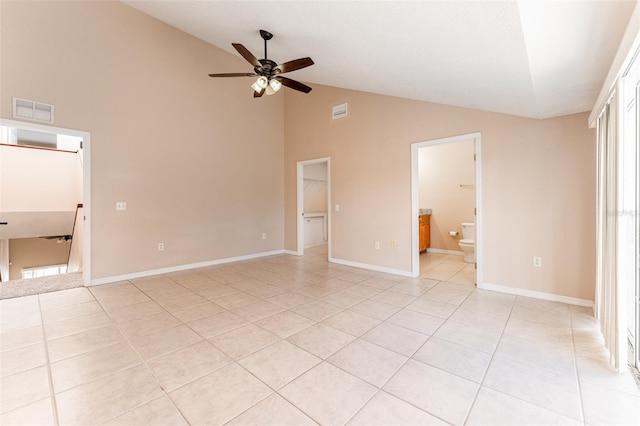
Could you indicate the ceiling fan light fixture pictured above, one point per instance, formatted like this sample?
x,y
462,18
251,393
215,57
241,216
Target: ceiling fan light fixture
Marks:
x,y
260,84
275,85
268,72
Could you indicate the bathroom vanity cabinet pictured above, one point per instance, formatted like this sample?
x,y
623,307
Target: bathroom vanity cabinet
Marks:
x,y
424,228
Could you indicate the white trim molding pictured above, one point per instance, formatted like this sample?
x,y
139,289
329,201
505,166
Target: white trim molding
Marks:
x,y
143,274
537,295
371,267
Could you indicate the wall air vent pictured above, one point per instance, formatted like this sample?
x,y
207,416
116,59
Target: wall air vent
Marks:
x,y
32,110
339,111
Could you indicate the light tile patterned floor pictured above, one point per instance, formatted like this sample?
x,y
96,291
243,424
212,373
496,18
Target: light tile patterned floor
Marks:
x,y
294,341
447,267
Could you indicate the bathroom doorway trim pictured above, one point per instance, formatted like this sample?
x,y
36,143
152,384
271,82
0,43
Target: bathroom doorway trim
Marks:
x,y
415,181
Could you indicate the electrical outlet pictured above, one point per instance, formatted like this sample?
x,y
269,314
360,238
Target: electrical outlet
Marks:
x,y
160,246
537,262
264,235
121,205
377,245
337,207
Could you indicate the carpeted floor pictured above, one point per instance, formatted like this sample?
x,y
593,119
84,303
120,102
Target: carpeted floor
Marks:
x,y
18,288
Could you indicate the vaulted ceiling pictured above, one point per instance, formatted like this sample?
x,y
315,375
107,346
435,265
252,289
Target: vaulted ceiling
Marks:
x,y
535,58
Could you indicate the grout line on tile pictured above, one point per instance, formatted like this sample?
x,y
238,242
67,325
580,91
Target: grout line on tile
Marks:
x,y
575,366
302,273
54,404
493,354
410,357
144,362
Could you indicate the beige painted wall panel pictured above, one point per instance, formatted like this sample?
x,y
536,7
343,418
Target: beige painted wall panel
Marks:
x,y
538,180
442,170
79,178
198,160
34,252
315,188
37,180
315,197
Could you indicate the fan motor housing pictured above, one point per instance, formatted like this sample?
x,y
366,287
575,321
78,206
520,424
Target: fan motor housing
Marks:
x,y
268,68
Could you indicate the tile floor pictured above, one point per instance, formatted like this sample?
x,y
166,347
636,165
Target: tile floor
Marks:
x,y
447,267
294,341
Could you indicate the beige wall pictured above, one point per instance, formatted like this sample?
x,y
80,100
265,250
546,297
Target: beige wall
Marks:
x,y
315,188
198,160
79,178
538,181
34,252
38,180
447,176
315,197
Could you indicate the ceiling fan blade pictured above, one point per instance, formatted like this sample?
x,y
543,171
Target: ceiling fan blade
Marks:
x,y
247,55
296,64
292,84
233,74
258,94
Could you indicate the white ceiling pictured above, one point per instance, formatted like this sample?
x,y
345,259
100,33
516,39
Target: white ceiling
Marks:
x,y
532,58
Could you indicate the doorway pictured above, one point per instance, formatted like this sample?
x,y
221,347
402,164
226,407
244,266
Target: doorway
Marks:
x,y
470,188
28,138
313,205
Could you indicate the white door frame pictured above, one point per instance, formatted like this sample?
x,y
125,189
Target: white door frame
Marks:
x,y
300,203
636,343
86,182
415,183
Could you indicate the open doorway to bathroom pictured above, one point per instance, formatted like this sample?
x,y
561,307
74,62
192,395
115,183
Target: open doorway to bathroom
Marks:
x,y
313,212
445,205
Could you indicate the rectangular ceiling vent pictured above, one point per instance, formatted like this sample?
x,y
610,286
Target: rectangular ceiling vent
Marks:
x,y
32,110
339,111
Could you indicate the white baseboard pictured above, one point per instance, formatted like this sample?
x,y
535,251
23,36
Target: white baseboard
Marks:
x,y
371,267
536,294
116,278
442,251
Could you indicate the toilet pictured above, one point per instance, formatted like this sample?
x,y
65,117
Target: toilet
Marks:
x,y
468,241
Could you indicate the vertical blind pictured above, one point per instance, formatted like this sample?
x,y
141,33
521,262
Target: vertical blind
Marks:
x,y
609,294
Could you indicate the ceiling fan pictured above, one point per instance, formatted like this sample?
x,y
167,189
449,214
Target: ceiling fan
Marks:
x,y
269,79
